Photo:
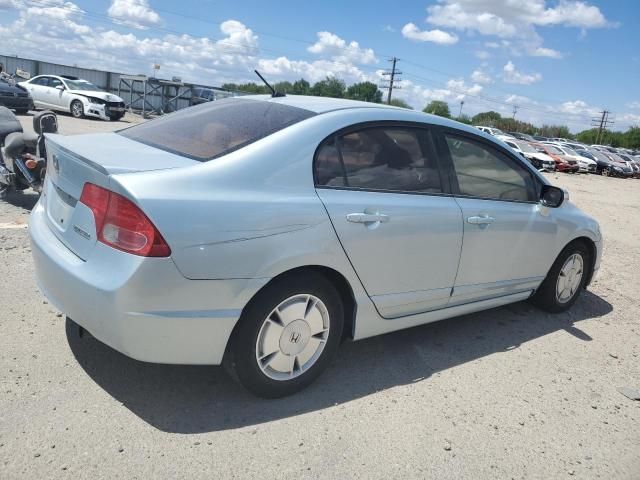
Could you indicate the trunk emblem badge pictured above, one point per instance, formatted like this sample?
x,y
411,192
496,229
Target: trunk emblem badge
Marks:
x,y
81,232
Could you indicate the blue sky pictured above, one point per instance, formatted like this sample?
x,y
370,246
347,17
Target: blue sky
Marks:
x,y
558,61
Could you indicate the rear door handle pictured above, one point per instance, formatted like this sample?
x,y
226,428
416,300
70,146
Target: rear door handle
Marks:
x,y
480,220
367,217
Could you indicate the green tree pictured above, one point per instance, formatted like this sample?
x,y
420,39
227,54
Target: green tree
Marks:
x,y
632,138
329,87
464,118
486,119
398,102
301,87
588,136
283,87
250,87
364,91
438,107
561,131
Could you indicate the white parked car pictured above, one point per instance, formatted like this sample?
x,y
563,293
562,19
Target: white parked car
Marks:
x,y
496,132
540,160
76,96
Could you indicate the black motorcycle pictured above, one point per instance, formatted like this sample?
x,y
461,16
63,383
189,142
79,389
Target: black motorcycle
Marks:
x,y
23,157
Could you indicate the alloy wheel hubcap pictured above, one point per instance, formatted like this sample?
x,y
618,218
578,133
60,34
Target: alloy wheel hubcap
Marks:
x,y
292,337
570,278
76,109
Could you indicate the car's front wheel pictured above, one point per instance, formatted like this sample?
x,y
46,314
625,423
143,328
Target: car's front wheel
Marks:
x,y
77,109
287,335
565,280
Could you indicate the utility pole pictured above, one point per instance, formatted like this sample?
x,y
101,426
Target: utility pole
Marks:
x,y
392,78
461,104
515,110
602,123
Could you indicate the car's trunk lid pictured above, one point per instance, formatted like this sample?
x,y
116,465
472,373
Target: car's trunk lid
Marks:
x,y
75,160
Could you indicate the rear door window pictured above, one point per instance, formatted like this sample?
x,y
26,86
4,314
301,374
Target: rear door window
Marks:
x,y
214,129
379,158
42,81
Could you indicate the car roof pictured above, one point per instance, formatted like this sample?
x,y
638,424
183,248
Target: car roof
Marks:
x,y
317,104
322,105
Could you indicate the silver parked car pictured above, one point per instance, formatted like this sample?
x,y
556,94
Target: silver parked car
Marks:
x,y
261,232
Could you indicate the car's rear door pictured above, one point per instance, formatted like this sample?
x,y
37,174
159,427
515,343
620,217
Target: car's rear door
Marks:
x,y
508,237
401,230
37,89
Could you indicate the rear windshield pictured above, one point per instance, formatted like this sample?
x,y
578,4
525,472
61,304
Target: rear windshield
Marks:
x,y
213,129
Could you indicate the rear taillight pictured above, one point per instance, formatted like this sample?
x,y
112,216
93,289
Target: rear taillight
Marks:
x,y
121,224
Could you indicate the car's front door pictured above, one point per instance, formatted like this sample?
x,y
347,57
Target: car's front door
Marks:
x,y
57,93
382,188
509,237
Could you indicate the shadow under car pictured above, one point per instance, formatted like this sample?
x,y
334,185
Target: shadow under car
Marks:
x,y
197,399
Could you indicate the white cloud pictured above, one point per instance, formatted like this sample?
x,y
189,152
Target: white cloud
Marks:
x,y
332,45
482,54
545,52
412,32
512,75
133,13
504,18
578,107
479,76
388,28
628,119
519,100
635,105
517,20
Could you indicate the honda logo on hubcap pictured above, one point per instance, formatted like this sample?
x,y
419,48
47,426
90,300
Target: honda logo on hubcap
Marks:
x,y
294,337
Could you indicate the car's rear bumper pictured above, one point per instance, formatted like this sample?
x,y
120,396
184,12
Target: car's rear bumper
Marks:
x,y
142,307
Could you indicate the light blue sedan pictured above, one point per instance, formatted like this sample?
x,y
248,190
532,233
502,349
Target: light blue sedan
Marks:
x,y
260,232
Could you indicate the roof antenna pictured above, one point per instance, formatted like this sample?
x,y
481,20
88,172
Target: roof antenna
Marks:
x,y
274,93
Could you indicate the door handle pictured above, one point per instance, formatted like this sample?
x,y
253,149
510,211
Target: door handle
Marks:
x,y
480,220
367,217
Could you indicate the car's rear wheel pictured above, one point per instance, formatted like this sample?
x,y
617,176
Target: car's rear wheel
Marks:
x,y
287,335
77,109
566,279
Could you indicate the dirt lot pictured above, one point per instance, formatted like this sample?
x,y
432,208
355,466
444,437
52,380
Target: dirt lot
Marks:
x,y
507,393
68,125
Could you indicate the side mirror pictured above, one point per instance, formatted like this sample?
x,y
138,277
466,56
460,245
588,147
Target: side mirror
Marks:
x,y
551,196
60,87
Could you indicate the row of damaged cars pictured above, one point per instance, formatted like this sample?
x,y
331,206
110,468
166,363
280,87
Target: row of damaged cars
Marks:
x,y
563,155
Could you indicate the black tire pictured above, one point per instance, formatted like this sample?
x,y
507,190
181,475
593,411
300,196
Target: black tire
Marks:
x,y
77,109
545,298
241,356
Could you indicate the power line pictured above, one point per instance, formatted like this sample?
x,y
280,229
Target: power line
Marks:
x,y
392,78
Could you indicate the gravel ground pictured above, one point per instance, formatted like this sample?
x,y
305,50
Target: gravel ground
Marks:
x,y
507,393
68,125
